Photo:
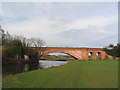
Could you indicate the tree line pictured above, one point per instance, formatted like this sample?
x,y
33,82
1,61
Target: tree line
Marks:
x,y
113,50
14,47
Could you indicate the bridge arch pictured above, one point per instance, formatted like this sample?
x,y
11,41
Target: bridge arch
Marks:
x,y
90,55
98,55
77,53
68,53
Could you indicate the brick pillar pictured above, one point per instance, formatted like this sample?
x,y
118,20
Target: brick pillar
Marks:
x,y
94,56
85,55
103,55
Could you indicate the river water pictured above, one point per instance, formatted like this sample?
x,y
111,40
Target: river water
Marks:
x,y
47,64
19,68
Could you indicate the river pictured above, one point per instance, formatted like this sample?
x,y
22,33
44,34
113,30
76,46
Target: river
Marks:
x,y
20,68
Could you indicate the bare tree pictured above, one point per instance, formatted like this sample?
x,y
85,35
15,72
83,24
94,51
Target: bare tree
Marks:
x,y
1,35
35,42
36,45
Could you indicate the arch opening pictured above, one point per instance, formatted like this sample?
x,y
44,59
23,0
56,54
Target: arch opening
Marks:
x,y
98,55
90,55
58,56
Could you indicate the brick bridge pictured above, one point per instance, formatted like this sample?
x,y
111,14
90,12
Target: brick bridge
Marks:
x,y
77,53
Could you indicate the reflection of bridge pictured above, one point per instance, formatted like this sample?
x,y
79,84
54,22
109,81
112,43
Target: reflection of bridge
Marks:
x,y
78,53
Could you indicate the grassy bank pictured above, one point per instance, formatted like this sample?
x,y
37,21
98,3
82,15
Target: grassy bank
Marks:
x,y
77,74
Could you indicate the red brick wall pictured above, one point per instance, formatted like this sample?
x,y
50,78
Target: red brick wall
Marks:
x,y
78,53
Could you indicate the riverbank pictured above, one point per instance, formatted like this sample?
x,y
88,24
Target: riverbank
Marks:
x,y
77,74
18,61
58,59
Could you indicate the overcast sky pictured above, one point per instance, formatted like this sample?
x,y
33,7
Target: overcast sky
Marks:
x,y
81,24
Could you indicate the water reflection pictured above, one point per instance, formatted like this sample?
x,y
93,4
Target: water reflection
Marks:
x,y
26,68
19,68
47,64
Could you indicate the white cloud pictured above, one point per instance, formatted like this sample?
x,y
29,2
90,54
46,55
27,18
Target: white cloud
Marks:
x,y
92,22
49,30
59,25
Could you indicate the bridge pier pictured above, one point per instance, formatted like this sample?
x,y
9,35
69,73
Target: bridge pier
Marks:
x,y
94,56
84,55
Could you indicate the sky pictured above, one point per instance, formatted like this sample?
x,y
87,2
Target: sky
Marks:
x,y
63,24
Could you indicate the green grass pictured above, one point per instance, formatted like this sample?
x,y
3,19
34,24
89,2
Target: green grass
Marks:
x,y
77,74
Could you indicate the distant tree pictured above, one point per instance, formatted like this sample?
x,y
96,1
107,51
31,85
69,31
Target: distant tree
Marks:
x,y
118,48
111,45
5,37
1,35
37,43
114,51
15,46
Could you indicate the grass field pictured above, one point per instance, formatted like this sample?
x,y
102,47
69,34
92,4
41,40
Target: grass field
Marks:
x,y
77,74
